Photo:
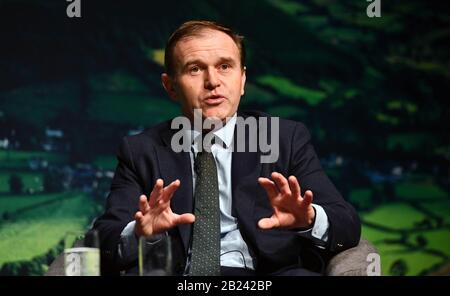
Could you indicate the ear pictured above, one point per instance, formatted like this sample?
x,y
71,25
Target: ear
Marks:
x,y
168,84
243,79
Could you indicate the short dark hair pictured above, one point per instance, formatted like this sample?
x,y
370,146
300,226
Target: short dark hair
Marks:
x,y
195,28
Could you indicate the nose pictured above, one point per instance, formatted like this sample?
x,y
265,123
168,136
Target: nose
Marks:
x,y
211,79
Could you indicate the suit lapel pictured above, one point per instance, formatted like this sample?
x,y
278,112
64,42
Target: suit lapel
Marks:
x,y
174,166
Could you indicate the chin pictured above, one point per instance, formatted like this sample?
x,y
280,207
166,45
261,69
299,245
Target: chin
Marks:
x,y
220,114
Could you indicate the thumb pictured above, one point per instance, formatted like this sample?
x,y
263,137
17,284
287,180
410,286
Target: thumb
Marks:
x,y
184,219
268,223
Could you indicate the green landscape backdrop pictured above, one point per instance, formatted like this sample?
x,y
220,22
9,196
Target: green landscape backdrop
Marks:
x,y
372,91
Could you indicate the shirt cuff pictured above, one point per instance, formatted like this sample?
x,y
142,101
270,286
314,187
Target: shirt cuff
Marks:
x,y
129,229
321,225
128,244
319,231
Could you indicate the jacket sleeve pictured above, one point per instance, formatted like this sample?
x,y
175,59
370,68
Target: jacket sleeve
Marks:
x,y
121,205
344,223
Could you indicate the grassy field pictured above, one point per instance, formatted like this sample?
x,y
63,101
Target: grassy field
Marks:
x,y
19,159
419,190
289,89
395,215
255,94
377,236
440,208
32,181
106,162
36,231
118,81
289,7
438,240
139,110
17,202
411,141
38,104
422,249
416,261
361,197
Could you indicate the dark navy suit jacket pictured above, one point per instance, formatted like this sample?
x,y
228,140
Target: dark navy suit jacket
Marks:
x,y
148,156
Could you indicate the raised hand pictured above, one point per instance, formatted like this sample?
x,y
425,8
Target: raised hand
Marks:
x,y
291,210
156,216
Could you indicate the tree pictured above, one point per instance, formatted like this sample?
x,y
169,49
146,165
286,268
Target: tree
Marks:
x,y
15,184
52,181
399,267
421,241
389,191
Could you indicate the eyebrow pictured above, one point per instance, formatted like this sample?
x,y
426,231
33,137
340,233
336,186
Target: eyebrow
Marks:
x,y
229,60
192,62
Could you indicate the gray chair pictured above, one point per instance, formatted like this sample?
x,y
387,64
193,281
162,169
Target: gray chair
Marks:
x,y
351,262
57,267
354,261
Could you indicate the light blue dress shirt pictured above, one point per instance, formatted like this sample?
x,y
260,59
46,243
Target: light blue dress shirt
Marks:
x,y
234,250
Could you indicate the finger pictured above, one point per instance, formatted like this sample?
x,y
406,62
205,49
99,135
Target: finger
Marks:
x,y
169,190
269,186
282,183
295,187
138,216
268,223
184,219
143,204
307,199
156,192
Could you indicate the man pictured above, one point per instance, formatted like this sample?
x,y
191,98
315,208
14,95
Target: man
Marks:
x,y
226,211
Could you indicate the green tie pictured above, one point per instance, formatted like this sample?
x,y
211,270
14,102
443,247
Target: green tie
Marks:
x,y
205,258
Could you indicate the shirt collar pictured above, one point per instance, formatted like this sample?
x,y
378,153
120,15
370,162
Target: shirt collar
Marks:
x,y
225,133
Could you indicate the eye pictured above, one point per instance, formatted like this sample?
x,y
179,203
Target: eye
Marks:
x,y
194,70
225,67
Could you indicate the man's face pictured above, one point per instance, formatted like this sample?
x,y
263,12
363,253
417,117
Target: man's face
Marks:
x,y
208,75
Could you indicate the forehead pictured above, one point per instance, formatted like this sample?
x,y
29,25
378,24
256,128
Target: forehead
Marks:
x,y
206,44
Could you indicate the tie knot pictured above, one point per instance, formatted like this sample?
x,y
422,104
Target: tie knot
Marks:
x,y
207,141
